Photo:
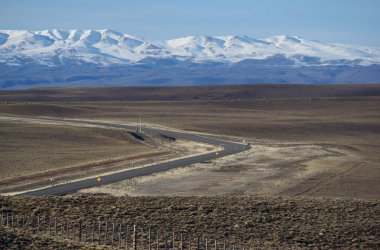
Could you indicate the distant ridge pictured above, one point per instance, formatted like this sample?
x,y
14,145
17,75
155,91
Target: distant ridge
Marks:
x,y
106,57
107,47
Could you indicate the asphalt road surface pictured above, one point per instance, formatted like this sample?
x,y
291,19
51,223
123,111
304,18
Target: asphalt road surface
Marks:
x,y
228,148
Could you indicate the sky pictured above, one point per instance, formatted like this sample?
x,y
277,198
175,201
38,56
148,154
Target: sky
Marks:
x,y
335,21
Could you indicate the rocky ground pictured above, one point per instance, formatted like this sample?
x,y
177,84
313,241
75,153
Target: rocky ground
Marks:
x,y
255,221
13,239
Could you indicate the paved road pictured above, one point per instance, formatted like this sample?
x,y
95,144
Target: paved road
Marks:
x,y
229,148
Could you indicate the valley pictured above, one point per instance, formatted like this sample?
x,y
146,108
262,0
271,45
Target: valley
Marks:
x,y
312,167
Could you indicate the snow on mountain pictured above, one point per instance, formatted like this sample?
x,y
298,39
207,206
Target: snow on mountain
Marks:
x,y
105,47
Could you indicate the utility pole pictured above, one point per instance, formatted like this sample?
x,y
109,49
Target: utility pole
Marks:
x,y
140,124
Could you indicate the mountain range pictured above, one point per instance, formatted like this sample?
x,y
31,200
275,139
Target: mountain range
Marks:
x,y
104,57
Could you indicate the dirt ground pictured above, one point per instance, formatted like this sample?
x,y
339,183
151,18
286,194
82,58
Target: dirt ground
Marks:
x,y
311,146
153,149
28,148
264,169
340,117
261,222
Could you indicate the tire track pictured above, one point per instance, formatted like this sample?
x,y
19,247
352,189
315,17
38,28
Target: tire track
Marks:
x,y
316,187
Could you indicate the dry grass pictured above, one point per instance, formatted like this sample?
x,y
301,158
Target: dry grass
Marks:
x,y
262,222
339,116
345,118
28,148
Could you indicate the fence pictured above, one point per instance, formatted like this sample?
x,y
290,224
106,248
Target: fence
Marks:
x,y
116,234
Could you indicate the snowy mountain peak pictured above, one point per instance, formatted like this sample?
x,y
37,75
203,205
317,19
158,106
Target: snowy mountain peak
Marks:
x,y
107,47
284,39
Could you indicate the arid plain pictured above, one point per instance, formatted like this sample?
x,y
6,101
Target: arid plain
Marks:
x,y
314,145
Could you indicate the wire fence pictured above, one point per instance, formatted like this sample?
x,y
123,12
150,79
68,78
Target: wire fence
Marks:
x,y
116,234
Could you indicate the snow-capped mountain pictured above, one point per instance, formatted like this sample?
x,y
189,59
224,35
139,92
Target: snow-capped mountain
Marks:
x,y
104,57
106,47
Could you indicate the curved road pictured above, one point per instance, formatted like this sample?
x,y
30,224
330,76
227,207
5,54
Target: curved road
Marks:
x,y
229,148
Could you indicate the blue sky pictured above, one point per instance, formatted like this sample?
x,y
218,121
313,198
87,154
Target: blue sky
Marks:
x,y
342,21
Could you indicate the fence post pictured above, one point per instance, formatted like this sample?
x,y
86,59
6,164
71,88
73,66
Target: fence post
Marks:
x,y
173,240
224,245
206,244
55,226
67,229
105,236
61,227
80,231
38,224
119,235
113,232
99,232
126,237
92,231
181,247
41,223
134,237
158,239
49,225
73,230
86,228
215,244
149,242
142,237
166,240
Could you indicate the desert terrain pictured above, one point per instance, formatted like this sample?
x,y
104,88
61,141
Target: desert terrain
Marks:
x,y
314,154
331,119
258,222
61,151
29,148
